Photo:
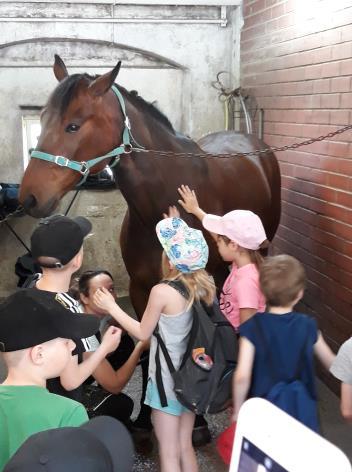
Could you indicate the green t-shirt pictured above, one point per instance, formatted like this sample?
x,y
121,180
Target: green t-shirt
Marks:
x,y
25,410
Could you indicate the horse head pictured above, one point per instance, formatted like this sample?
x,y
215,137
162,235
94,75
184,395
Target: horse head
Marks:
x,y
78,124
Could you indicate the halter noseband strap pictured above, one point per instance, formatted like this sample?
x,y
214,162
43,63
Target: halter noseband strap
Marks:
x,y
83,167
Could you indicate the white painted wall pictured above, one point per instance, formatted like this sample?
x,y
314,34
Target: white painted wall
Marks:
x,y
169,53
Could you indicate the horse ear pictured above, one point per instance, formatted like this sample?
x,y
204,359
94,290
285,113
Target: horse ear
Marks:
x,y
60,70
102,84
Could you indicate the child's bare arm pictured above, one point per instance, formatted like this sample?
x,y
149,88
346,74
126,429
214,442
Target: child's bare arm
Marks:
x,y
323,352
246,313
141,330
243,374
75,374
346,401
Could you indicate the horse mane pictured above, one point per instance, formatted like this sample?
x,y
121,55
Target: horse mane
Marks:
x,y
64,92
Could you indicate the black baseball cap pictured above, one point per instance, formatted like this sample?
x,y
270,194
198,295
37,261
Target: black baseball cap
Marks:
x,y
102,444
30,317
59,237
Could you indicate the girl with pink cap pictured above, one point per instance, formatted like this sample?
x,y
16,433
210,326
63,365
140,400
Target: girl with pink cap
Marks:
x,y
184,259
239,235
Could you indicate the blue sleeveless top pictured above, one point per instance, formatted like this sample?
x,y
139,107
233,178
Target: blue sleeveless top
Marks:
x,y
285,336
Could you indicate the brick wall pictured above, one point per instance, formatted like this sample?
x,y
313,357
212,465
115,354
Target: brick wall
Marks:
x,y
296,59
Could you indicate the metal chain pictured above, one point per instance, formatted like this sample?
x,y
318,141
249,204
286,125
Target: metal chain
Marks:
x,y
19,209
251,153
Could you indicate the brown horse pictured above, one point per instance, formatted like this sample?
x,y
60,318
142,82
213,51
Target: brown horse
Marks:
x,y
83,119
86,117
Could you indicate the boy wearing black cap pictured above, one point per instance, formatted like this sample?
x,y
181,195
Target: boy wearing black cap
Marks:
x,y
36,333
101,445
57,246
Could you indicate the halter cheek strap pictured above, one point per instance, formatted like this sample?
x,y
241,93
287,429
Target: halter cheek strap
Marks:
x,y
84,167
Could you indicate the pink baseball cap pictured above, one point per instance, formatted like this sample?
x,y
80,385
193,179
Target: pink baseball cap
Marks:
x,y
241,226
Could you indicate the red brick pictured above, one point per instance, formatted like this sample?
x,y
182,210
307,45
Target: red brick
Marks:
x,y
314,72
320,116
321,86
338,149
340,117
322,55
311,175
331,69
250,33
278,10
344,166
346,68
331,100
341,84
344,199
346,100
341,51
340,182
346,33
254,7
257,19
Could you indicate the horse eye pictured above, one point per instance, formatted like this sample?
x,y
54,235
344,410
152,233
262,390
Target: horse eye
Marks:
x,y
72,128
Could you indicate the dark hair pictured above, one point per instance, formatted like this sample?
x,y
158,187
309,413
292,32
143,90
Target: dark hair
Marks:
x,y
85,277
281,279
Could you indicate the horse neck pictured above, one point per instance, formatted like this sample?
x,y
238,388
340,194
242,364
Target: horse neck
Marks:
x,y
146,180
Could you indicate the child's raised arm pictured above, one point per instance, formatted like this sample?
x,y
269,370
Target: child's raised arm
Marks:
x,y
75,374
189,202
243,374
141,330
323,352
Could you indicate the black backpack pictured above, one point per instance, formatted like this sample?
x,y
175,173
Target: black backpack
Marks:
x,y
203,381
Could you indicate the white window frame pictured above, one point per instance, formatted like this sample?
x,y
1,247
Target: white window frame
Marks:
x,y
29,123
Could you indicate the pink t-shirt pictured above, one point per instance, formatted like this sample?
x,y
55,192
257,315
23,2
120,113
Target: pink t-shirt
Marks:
x,y
241,290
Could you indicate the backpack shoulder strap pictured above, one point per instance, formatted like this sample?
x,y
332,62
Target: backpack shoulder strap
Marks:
x,y
158,375
177,285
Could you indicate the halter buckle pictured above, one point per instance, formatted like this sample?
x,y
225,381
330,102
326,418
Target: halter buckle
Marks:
x,y
127,148
61,161
84,170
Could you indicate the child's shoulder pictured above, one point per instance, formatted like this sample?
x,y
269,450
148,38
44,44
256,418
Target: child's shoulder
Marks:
x,y
304,318
268,319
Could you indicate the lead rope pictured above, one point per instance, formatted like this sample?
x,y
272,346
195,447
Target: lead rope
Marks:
x,y
20,209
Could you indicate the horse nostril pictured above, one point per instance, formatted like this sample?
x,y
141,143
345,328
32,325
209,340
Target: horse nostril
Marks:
x,y
29,202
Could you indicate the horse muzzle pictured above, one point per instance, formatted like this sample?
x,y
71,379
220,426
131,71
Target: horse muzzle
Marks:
x,y
31,206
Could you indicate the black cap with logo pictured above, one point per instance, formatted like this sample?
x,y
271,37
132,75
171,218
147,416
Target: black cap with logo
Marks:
x,y
30,317
59,237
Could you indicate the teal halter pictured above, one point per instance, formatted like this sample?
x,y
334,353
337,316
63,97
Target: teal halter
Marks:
x,y
83,167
